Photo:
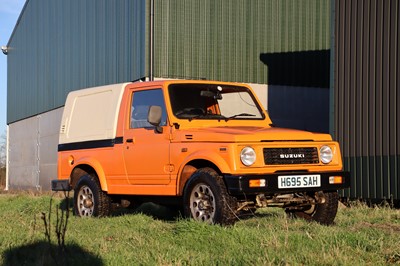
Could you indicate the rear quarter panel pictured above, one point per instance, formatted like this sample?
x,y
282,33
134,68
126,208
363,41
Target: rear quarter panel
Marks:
x,y
107,163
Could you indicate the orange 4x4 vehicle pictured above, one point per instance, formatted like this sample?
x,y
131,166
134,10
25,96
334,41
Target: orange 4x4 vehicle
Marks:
x,y
208,146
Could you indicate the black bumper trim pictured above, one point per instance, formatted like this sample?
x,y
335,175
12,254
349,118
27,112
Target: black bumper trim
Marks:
x,y
239,184
60,185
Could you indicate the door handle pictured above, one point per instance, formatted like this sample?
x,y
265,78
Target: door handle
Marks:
x,y
129,140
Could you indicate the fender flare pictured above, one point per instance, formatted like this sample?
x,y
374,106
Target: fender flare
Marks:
x,y
96,166
203,155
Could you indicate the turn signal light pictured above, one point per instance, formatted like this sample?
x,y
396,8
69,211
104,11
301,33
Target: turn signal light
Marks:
x,y
257,183
335,180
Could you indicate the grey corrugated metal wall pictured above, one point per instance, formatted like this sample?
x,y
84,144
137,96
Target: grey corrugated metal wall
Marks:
x,y
60,46
367,94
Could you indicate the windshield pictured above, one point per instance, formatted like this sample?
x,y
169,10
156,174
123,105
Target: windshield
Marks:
x,y
210,101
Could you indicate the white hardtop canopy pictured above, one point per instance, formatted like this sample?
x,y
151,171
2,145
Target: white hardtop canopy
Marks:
x,y
91,114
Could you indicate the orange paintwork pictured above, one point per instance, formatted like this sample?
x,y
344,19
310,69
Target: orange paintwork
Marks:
x,y
154,163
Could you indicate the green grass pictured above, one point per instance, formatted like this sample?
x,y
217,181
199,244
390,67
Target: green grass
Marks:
x,y
360,236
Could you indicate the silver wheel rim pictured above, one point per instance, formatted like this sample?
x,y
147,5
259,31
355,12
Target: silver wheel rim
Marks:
x,y
202,203
85,201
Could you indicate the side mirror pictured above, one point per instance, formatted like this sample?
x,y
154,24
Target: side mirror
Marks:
x,y
154,117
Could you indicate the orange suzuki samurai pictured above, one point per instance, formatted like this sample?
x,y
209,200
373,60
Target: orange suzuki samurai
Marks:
x,y
206,146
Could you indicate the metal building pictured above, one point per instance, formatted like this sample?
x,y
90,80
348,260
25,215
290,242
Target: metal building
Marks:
x,y
295,54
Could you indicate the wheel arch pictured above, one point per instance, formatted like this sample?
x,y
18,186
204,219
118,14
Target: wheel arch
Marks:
x,y
91,169
189,168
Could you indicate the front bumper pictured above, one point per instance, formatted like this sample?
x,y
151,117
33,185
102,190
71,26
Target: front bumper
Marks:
x,y
238,185
60,185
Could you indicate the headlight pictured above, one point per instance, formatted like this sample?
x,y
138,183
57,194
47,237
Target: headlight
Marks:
x,y
325,154
248,156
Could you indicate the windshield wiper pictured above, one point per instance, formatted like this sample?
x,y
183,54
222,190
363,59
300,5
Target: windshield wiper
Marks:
x,y
234,116
219,117
208,116
194,117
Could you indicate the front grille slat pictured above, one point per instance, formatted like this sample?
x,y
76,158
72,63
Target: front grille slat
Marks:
x,y
278,156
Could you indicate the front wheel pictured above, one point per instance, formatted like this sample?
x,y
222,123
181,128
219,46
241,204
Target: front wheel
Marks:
x,y
206,199
89,199
323,213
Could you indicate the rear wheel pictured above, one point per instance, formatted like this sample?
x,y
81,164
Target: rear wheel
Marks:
x,y
207,200
323,212
89,199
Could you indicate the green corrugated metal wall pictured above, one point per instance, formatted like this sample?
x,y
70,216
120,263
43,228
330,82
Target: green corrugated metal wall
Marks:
x,y
225,40
59,46
367,94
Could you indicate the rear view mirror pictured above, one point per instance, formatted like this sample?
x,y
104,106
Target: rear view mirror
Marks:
x,y
211,94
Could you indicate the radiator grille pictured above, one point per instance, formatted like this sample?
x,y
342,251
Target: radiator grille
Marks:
x,y
275,156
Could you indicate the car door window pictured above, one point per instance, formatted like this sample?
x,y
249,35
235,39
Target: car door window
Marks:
x,y
141,101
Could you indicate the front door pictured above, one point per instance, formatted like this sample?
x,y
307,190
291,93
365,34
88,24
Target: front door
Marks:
x,y
146,151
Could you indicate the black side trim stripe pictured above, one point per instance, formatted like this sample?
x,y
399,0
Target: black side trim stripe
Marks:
x,y
93,144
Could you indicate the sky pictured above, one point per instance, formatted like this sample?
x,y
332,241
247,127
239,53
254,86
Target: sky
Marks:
x,y
9,13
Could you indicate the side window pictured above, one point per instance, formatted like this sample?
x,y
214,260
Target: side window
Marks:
x,y
141,101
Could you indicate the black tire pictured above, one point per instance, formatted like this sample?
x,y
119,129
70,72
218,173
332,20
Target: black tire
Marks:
x,y
206,199
323,213
89,199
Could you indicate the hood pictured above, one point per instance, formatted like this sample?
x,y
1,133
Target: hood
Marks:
x,y
247,134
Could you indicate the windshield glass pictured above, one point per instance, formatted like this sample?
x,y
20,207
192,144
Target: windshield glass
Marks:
x,y
210,101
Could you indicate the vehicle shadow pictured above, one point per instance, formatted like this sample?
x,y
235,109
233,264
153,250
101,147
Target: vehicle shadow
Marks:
x,y
167,213
171,213
157,211
44,253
